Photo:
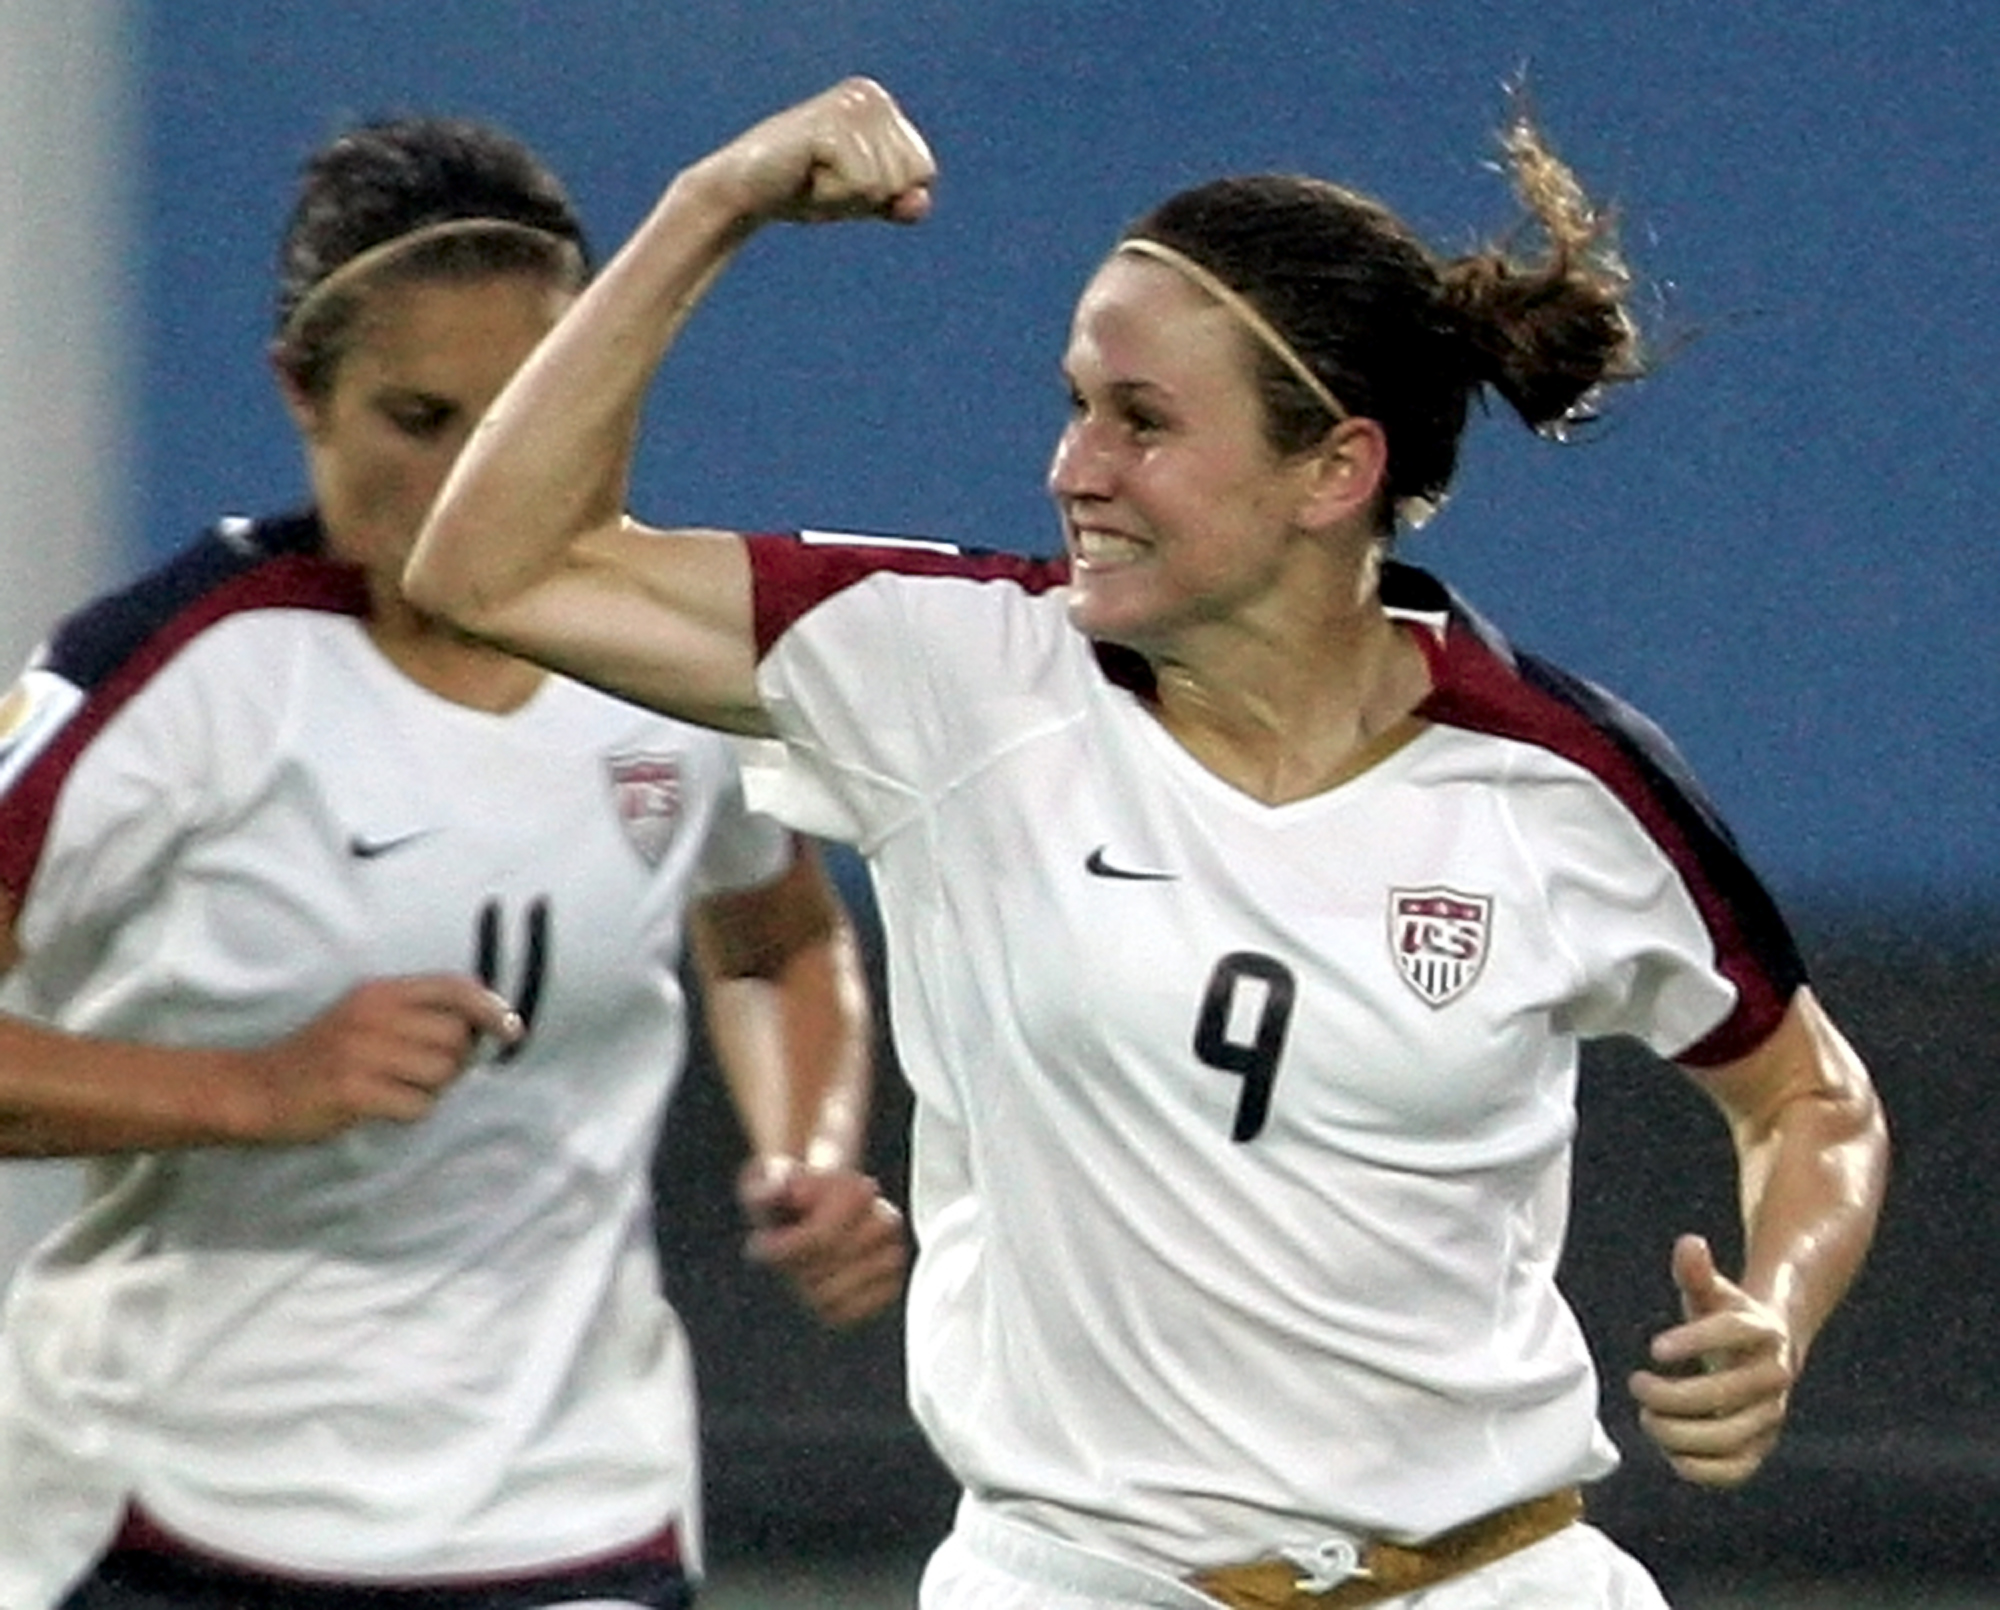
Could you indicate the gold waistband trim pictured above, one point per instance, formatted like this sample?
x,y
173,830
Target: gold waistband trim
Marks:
x,y
1385,1570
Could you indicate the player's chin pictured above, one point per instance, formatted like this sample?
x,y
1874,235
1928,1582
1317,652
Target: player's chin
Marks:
x,y
1105,610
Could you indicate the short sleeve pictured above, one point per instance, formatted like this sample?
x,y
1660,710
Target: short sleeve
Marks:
x,y
96,794
1647,961
745,848
884,669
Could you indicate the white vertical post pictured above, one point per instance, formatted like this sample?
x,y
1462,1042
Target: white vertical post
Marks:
x,y
67,144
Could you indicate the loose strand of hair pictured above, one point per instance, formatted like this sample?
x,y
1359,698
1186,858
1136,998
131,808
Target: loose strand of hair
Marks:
x,y
1554,327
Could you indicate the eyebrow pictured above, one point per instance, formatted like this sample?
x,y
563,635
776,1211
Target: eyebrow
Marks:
x,y
1125,391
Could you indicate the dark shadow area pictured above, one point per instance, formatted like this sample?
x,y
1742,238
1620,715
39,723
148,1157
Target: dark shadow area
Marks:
x,y
1892,1463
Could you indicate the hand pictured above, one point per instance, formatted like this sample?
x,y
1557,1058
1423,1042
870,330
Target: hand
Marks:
x,y
385,1050
829,1231
1728,1370
849,152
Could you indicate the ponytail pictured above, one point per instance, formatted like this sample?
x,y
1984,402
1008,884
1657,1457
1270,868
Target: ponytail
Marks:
x,y
1547,335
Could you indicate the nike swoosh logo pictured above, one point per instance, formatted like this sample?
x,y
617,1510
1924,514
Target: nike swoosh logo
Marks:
x,y
1095,864
364,848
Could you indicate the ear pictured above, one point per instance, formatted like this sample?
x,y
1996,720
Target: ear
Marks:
x,y
299,403
1347,473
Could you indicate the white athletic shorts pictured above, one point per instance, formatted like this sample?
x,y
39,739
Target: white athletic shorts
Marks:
x,y
989,1563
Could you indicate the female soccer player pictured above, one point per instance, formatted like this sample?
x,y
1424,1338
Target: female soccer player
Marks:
x,y
1247,897
350,947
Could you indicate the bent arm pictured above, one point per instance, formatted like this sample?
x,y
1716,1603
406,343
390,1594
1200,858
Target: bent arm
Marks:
x,y
1812,1155
385,1050
528,546
788,1012
787,1009
1812,1149
66,1095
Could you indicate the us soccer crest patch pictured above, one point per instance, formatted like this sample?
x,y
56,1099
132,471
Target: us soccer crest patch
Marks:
x,y
1439,938
646,793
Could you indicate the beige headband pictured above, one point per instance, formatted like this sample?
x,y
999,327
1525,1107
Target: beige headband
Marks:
x,y
1246,315
1412,510
362,264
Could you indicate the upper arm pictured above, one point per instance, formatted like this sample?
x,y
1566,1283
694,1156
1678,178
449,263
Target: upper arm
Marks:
x,y
752,933
1805,1059
663,618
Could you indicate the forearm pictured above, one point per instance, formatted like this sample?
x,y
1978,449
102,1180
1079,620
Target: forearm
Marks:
x,y
550,462
528,546
794,1048
788,1013
791,1022
65,1095
1813,1170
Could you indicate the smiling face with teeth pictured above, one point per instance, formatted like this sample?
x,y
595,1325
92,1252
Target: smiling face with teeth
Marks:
x,y
1180,517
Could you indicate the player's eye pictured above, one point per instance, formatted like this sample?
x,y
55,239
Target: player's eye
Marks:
x,y
420,418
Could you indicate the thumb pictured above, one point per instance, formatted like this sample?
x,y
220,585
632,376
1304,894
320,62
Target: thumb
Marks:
x,y
1696,1276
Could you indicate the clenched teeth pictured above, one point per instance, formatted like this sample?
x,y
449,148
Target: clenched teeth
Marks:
x,y
1104,548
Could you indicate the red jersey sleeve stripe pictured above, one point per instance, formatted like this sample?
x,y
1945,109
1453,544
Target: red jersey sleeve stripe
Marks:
x,y
110,650
790,576
1483,685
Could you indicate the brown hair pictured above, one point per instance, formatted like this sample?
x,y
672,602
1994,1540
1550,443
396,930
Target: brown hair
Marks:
x,y
401,179
1402,336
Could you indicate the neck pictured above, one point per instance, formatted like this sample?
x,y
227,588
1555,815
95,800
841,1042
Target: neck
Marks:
x,y
1286,715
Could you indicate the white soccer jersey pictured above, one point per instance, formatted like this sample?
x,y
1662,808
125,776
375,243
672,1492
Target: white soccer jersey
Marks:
x,y
411,1350
1243,1131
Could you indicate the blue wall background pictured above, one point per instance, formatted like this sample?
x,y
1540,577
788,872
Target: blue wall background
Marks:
x,y
1782,547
